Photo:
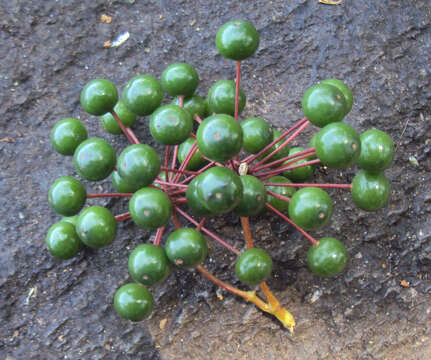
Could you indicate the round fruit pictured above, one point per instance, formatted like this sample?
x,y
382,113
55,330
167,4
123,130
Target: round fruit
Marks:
x,y
142,95
377,151
96,226
221,98
193,201
66,135
219,137
62,240
287,191
219,189
253,196
194,105
278,155
121,185
323,104
327,258
67,196
197,161
180,79
311,144
253,266
149,265
125,116
338,145
138,165
256,134
348,96
94,159
237,40
186,247
150,208
370,191
170,125
133,302
99,96
310,208
300,173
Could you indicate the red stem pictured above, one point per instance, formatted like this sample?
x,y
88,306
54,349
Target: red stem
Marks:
x,y
329,186
197,118
181,100
174,161
181,200
237,81
170,184
187,172
284,144
309,152
190,178
278,196
284,217
206,231
133,136
159,235
168,149
183,165
199,227
92,196
268,174
122,217
121,125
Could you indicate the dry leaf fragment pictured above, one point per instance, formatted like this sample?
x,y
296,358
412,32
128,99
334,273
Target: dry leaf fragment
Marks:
x,y
105,19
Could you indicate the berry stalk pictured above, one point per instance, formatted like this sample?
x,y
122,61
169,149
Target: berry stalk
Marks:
x,y
278,196
123,128
251,158
303,185
123,217
284,217
159,234
268,174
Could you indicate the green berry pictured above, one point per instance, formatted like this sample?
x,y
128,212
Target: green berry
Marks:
x,y
149,265
348,96
67,196
133,302
219,189
193,201
126,117
221,98
197,161
323,104
138,165
310,208
301,173
96,226
219,137
170,125
180,79
237,40
142,95
150,208
278,155
99,96
62,240
121,185
338,145
370,191
94,159
253,196
327,258
253,266
256,134
66,135
186,248
194,105
377,151
287,191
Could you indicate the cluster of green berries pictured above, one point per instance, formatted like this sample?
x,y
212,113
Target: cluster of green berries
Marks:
x,y
217,190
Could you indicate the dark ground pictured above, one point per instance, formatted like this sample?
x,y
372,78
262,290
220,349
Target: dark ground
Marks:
x,y
63,310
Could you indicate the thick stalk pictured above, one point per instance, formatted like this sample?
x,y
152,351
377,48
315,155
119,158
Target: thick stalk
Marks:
x,y
328,186
247,232
122,217
159,234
